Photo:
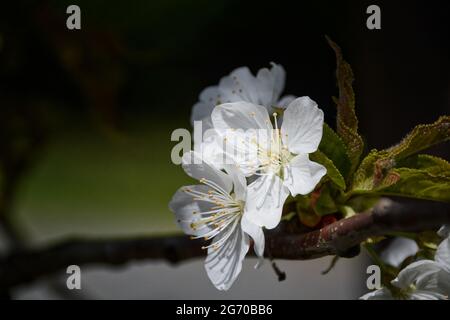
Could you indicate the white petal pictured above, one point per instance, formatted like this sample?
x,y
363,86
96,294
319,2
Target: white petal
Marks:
x,y
224,264
212,150
422,274
302,126
245,128
398,250
240,115
302,175
198,169
187,210
265,199
381,294
427,295
256,233
270,84
240,85
264,89
239,182
279,78
443,280
208,99
206,124
443,254
444,231
285,101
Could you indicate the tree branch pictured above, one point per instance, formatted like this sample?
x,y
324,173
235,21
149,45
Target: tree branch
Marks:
x,y
335,239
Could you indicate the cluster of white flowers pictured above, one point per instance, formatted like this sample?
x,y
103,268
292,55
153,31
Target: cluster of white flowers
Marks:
x,y
268,140
423,279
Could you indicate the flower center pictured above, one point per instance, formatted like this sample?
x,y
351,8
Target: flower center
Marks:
x,y
276,155
222,217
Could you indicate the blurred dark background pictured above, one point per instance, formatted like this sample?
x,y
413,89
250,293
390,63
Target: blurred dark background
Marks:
x,y
86,115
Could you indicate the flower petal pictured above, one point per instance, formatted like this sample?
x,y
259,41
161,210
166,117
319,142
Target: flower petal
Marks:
x,y
245,129
208,99
421,273
240,85
224,264
444,231
279,79
256,233
427,295
443,254
211,149
398,250
198,169
239,181
381,294
187,210
302,175
270,84
240,115
302,126
285,101
444,282
265,199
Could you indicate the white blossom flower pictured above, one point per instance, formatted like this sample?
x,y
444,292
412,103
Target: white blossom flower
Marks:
x,y
241,85
421,280
279,157
398,250
214,210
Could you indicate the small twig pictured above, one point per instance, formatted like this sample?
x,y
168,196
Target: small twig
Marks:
x,y
280,274
331,266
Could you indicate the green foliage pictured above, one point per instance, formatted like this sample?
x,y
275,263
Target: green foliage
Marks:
x,y
347,122
421,137
354,184
325,203
421,184
396,171
332,172
433,165
334,148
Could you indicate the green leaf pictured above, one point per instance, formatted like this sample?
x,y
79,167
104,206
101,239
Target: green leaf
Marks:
x,y
347,122
332,172
308,217
346,101
362,203
418,176
419,183
334,148
371,171
325,202
375,171
433,165
422,137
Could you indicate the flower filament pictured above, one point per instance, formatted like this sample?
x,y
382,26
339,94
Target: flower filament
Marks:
x,y
222,217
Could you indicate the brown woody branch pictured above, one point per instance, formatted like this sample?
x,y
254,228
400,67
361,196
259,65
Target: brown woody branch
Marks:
x,y
334,239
